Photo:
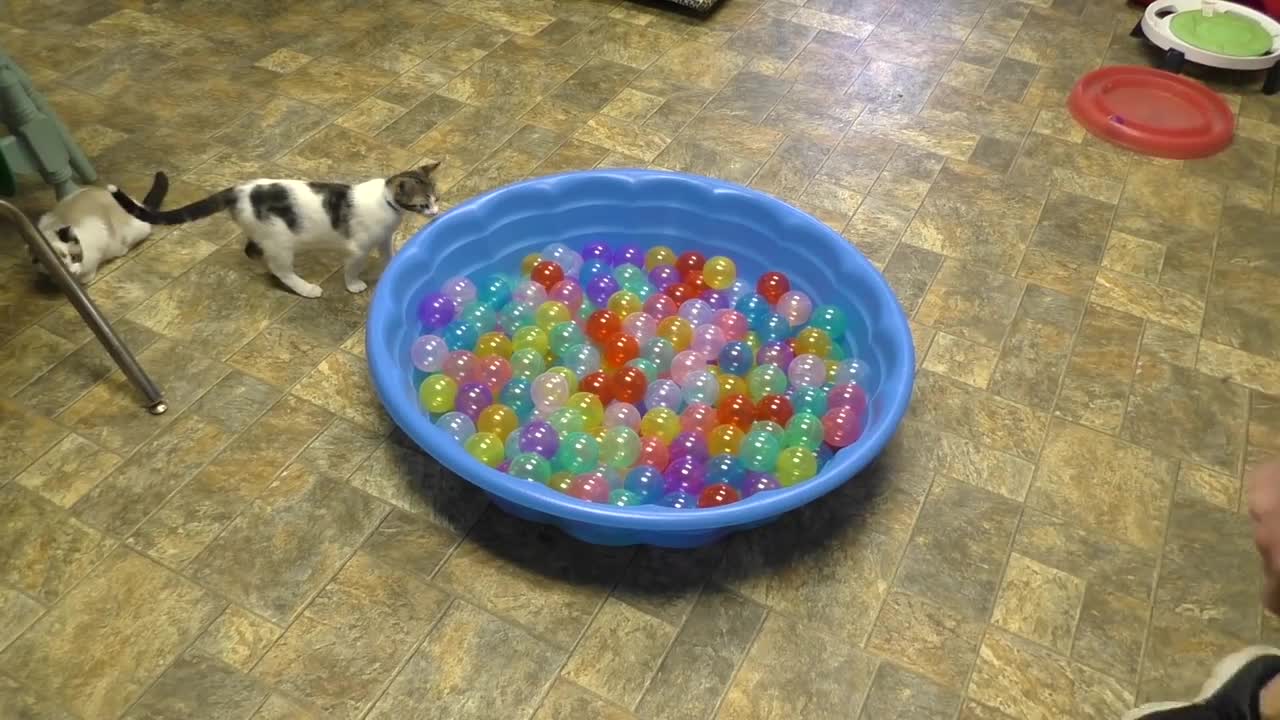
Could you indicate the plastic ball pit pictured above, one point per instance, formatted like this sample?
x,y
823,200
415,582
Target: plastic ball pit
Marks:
x,y
493,232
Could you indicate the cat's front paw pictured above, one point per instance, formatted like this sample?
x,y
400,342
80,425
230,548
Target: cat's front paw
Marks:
x,y
310,290
357,286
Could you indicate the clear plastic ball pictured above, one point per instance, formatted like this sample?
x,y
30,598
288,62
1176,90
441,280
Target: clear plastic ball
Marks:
x,y
456,425
708,339
428,353
622,414
640,325
549,390
807,371
459,289
796,307
701,386
664,393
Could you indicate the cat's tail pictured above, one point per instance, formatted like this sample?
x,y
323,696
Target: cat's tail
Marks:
x,y
195,211
155,196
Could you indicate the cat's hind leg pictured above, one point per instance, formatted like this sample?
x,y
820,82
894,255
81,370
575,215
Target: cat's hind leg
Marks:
x,y
279,257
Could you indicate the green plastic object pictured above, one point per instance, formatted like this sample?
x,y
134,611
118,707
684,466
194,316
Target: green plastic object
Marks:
x,y
1225,33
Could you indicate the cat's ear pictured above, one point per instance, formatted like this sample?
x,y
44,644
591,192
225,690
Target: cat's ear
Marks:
x,y
429,167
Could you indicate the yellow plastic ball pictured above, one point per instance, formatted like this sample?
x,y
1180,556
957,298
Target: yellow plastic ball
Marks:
x,y
560,481
625,302
662,423
732,385
551,313
659,255
814,341
498,419
590,406
531,338
724,440
437,393
832,368
796,464
485,447
493,344
719,272
527,263
676,330
752,339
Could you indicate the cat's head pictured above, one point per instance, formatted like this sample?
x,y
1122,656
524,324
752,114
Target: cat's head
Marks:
x,y
415,190
66,246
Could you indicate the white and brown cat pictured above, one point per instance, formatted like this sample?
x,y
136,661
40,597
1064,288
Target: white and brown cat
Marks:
x,y
281,217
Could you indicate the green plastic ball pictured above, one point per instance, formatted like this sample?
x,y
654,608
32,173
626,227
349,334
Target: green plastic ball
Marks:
x,y
624,498
766,380
658,351
619,447
648,367
530,466
759,451
809,400
527,364
485,447
796,464
578,453
829,318
567,420
804,430
564,336
437,393
773,428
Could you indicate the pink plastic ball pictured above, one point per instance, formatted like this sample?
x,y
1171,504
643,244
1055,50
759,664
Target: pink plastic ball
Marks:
x,y
494,371
841,427
796,307
848,395
592,487
462,366
698,418
428,353
687,362
733,323
697,311
708,339
459,289
660,306
569,292
529,292
641,326
622,414
807,370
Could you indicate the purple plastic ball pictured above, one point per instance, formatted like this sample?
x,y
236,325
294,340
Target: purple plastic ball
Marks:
x,y
601,288
596,251
685,474
690,444
663,276
628,255
472,398
775,353
436,310
541,438
505,466
718,299
759,482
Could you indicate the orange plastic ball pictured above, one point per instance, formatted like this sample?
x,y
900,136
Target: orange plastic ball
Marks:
x,y
619,349
602,325
690,261
696,282
547,273
679,292
628,384
598,383
773,285
736,410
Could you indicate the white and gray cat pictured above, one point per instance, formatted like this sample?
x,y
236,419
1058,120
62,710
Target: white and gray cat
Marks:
x,y
280,217
88,228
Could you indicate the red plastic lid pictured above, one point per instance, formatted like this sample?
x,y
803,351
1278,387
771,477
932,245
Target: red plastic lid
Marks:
x,y
1152,112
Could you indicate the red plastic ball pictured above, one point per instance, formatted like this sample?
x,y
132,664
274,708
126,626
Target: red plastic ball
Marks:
x,y
679,292
598,383
776,408
690,261
619,349
547,273
695,281
773,285
602,325
628,384
736,410
654,452
717,495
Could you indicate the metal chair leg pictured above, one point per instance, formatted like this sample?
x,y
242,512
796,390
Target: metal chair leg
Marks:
x,y
119,352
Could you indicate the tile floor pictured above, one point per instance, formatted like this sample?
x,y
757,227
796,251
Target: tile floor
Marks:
x,y
1056,532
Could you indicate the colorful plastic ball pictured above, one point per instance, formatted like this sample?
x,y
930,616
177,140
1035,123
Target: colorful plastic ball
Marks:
x,y
547,273
659,255
582,359
530,338
600,288
460,335
829,319
628,384
602,324
628,255
460,290
641,326
485,447
680,292
527,363
775,353
493,344
653,451
842,426
562,336
772,328
646,482
740,289
630,277
619,447
736,358
696,282
696,312
690,444
549,390
436,310
530,466
813,340
590,406
594,268
717,495
597,251
719,272
850,396
685,474
701,386
560,481
848,372
498,419
690,261
659,351
771,427
578,453
678,500
766,380
664,393
481,316
624,498
698,418
759,451
625,302
796,464
517,315
437,393
664,276
597,382
428,353
724,439
725,468
456,425
677,330
753,307
462,366
564,256
567,420
708,339
528,291
753,340
758,482
809,400
718,299
622,414
687,363
472,398
796,307
736,409
732,385
528,262
775,408
773,285
569,292
618,349
660,306
807,371
516,394
660,422
494,371
494,291
551,313
592,487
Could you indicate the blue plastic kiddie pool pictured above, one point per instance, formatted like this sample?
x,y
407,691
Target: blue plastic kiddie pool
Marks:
x,y
493,232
